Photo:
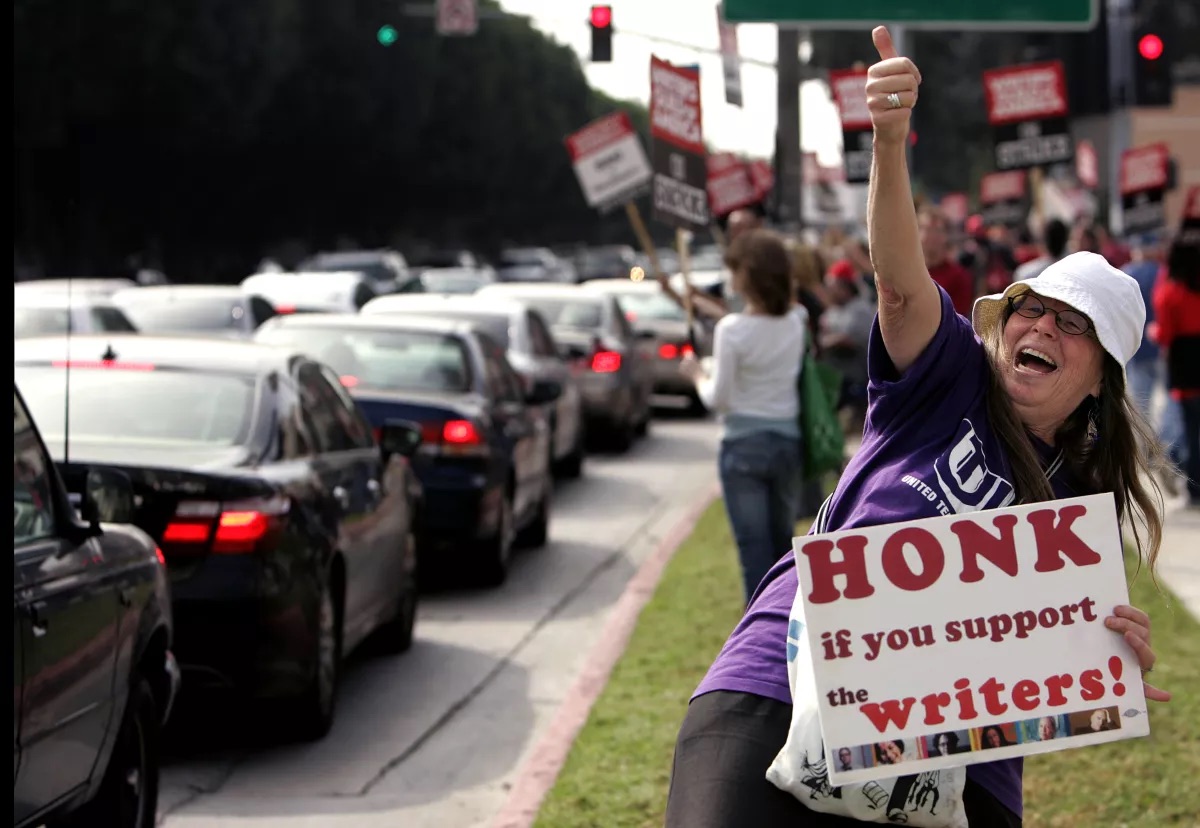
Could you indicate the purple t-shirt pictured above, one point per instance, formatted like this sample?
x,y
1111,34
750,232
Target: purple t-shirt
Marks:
x,y
928,450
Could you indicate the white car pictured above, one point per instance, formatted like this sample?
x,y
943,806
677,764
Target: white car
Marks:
x,y
312,292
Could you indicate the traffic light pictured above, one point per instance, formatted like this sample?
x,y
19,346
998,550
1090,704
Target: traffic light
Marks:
x,y
386,35
601,22
1152,85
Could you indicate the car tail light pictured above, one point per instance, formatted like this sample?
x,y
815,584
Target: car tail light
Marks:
x,y
111,364
457,438
285,309
234,528
606,362
348,381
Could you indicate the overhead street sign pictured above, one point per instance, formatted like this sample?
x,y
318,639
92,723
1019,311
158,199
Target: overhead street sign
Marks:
x,y
940,15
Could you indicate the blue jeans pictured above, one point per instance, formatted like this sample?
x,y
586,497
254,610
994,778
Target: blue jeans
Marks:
x,y
760,481
1144,375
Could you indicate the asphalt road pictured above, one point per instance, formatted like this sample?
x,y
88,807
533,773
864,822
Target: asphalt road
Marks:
x,y
434,738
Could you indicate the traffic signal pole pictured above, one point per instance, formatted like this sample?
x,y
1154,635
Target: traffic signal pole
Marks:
x,y
1120,81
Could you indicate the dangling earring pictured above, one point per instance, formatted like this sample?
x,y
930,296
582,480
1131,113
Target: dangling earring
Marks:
x,y
1093,424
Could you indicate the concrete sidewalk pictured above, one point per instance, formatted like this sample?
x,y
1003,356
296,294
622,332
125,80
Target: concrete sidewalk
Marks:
x,y
1179,556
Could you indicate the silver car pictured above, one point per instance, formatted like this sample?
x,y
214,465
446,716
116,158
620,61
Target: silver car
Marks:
x,y
615,365
50,314
652,313
199,310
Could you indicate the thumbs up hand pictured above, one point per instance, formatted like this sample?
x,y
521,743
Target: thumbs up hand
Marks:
x,y
891,90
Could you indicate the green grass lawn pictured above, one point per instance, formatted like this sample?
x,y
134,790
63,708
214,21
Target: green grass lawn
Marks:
x,y
619,768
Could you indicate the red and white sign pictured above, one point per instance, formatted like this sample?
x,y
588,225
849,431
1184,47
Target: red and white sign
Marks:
x,y
457,17
763,177
955,207
1002,186
1144,168
1029,92
985,625
1087,165
675,105
609,160
729,184
849,88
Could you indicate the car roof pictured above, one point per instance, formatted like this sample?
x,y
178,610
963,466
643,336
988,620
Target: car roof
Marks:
x,y
183,292
183,352
74,285
379,322
76,301
432,302
554,291
623,285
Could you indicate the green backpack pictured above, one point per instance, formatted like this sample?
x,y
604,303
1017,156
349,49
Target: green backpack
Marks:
x,y
824,443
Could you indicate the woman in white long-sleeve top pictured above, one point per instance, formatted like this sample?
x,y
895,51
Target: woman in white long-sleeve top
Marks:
x,y
752,384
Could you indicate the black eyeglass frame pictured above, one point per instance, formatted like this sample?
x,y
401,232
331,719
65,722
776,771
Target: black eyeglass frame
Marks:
x,y
1058,315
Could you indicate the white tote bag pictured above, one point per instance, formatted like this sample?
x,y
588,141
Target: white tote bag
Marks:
x,y
932,799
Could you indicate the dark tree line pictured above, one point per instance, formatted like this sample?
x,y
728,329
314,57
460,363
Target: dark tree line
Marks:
x,y
202,134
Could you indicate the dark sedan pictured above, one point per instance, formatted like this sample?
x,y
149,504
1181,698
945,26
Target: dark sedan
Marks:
x,y
483,462
94,677
287,531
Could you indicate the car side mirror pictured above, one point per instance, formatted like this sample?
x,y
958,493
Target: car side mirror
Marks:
x,y
107,497
544,391
399,437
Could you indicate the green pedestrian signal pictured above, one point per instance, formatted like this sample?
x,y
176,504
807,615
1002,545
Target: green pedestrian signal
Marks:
x,y
386,35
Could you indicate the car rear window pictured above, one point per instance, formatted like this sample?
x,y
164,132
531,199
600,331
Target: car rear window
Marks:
x,y
568,313
383,360
185,313
39,322
639,305
139,404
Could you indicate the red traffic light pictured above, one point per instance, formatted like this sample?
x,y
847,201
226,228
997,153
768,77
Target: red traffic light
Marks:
x,y
1150,47
601,17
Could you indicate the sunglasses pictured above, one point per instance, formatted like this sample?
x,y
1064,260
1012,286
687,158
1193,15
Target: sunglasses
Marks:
x,y
1068,321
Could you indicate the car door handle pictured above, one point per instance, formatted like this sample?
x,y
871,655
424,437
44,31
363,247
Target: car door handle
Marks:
x,y
341,496
38,624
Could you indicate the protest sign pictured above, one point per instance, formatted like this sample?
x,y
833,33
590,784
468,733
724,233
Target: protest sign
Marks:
x,y
849,87
1027,108
730,185
609,161
968,638
1144,178
1004,198
680,170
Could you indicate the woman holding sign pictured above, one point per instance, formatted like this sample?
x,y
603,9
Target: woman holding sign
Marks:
x,y
1028,406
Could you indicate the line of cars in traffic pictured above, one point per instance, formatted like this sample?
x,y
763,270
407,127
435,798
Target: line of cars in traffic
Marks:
x,y
242,491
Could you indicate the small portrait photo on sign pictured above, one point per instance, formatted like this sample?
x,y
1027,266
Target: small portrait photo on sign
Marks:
x,y
895,751
1095,721
853,758
994,736
947,744
1044,729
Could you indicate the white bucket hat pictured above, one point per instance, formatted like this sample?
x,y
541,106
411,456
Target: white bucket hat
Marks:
x,y
1088,283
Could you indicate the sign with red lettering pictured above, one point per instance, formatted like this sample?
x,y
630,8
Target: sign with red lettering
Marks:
x,y
1027,108
1144,174
849,88
680,170
609,161
969,638
729,184
1004,198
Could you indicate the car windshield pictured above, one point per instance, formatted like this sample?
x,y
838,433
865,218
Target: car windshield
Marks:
x,y
139,405
568,313
649,305
383,360
184,313
35,321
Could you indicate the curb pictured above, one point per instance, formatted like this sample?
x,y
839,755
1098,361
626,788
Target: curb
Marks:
x,y
538,774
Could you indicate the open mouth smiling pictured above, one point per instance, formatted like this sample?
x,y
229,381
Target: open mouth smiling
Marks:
x,y
1033,361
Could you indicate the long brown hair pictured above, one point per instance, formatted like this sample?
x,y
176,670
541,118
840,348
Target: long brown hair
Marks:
x,y
763,258
1106,443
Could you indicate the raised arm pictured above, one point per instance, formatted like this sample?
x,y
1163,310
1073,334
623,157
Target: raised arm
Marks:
x,y
909,306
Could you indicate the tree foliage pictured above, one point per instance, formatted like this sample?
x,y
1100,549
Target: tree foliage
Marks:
x,y
204,132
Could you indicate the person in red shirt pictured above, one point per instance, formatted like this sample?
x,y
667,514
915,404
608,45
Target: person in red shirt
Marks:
x,y
955,279
1177,331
